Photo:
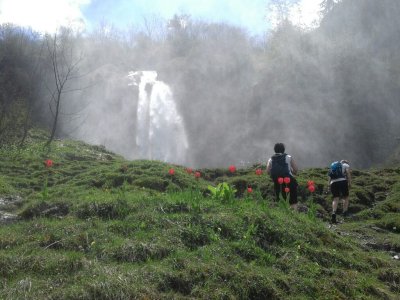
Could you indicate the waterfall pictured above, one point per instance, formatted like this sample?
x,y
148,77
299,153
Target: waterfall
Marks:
x,y
160,132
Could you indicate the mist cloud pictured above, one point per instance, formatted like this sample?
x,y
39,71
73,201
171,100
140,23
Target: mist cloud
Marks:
x,y
43,15
328,92
48,15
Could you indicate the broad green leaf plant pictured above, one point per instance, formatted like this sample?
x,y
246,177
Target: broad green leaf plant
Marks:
x,y
222,192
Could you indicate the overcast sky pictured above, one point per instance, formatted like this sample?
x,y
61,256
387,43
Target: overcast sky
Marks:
x,y
47,15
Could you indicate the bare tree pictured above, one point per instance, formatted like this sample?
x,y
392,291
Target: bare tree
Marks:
x,y
19,80
33,73
327,6
278,11
64,63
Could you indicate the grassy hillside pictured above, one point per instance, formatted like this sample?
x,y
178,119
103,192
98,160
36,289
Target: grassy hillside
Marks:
x,y
95,226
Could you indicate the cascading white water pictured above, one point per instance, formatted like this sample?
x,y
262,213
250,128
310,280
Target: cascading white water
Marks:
x,y
160,132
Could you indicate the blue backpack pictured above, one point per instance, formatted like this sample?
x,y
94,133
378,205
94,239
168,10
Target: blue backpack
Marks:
x,y
335,170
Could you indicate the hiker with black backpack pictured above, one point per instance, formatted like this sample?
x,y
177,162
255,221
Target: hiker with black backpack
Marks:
x,y
339,183
282,168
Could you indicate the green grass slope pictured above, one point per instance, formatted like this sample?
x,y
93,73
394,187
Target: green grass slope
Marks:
x,y
95,226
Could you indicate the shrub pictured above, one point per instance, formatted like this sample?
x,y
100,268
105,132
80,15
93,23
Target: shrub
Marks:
x,y
195,236
45,209
113,209
150,182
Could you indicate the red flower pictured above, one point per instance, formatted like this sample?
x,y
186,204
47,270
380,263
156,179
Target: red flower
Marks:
x,y
311,188
189,170
249,190
258,172
287,190
48,163
232,169
286,180
280,180
310,182
171,171
197,174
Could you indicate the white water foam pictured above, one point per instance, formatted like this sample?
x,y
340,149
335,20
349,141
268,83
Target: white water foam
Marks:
x,y
160,131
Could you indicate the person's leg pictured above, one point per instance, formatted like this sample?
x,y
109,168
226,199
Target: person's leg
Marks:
x,y
345,193
283,193
335,204
277,188
293,192
345,205
335,193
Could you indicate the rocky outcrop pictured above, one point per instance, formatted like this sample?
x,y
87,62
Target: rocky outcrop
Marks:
x,y
8,204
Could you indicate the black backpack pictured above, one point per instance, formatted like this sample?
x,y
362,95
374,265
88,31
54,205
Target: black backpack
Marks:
x,y
336,170
279,166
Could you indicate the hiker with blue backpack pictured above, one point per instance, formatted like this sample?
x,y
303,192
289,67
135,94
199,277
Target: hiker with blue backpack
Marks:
x,y
282,168
339,183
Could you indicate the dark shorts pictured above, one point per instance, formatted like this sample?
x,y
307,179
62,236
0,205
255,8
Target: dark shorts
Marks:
x,y
340,189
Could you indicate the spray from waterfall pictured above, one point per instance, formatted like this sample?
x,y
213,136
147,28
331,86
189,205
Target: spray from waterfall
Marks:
x,y
160,131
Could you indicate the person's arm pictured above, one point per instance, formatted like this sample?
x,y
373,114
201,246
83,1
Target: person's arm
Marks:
x,y
269,165
348,176
294,167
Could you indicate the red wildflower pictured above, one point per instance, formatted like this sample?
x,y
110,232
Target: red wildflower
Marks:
x,y
232,169
258,172
197,174
311,188
48,163
310,182
286,180
249,190
287,190
189,170
171,171
280,180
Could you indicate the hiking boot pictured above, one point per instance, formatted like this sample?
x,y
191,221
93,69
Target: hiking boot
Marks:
x,y
333,219
346,214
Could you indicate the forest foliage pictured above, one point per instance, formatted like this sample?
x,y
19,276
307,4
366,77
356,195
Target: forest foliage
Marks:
x,y
333,89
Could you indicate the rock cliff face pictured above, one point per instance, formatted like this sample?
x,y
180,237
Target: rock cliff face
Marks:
x,y
396,156
394,159
8,204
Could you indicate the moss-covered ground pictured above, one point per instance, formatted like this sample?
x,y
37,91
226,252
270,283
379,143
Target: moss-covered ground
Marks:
x,y
96,226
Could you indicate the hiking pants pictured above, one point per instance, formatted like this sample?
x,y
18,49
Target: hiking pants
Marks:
x,y
280,189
